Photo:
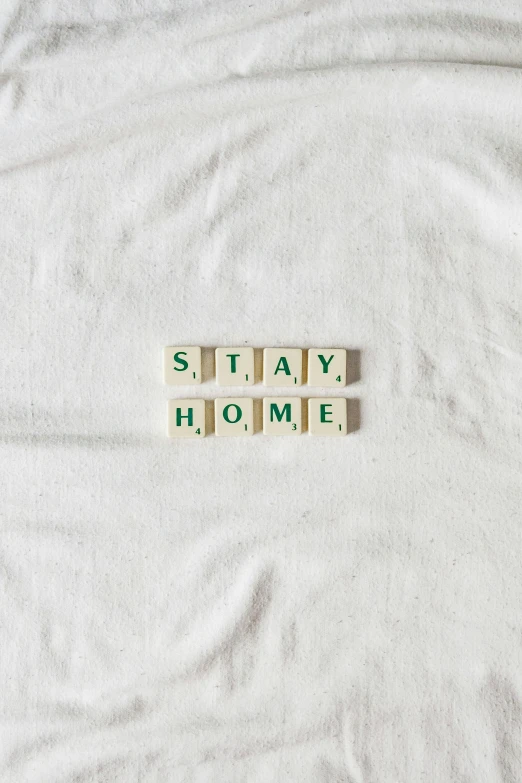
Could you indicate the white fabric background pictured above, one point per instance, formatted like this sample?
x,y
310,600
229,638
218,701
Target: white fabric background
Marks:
x,y
261,610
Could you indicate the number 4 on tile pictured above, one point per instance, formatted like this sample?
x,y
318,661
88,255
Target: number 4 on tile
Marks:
x,y
186,419
327,367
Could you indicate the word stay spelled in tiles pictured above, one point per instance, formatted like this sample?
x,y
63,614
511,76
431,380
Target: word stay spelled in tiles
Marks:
x,y
236,367
234,416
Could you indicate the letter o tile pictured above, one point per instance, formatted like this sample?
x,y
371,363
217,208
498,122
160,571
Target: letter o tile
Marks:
x,y
234,416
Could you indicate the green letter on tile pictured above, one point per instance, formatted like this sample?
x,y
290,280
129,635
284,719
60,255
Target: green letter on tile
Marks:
x,y
232,357
239,413
282,364
183,362
324,362
189,417
324,412
274,411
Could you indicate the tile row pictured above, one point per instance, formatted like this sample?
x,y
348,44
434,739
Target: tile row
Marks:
x,y
234,416
235,366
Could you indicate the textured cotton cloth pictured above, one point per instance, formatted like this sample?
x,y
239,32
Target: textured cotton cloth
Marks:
x,y
261,610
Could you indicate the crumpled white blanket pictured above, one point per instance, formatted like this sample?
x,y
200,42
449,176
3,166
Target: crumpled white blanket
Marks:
x,y
260,610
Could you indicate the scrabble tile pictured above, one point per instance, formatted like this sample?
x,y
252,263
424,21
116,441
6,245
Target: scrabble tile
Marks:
x,y
186,419
282,367
327,367
327,416
182,365
281,415
234,416
235,366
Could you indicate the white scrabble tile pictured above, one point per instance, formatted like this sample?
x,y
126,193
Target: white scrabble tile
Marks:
x,y
327,367
235,366
282,367
281,415
234,416
182,365
186,419
327,416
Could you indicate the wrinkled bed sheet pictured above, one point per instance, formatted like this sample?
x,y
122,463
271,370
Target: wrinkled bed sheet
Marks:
x,y
261,610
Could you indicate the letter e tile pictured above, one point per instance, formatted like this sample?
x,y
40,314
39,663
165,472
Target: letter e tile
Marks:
x,y
327,416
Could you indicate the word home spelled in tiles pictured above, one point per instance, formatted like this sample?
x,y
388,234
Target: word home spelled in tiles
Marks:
x,y
234,417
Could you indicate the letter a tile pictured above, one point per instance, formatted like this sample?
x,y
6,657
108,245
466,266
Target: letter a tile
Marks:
x,y
282,367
